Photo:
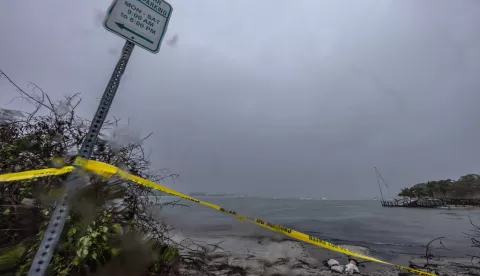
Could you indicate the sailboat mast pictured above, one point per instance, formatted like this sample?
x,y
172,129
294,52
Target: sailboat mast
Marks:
x,y
378,181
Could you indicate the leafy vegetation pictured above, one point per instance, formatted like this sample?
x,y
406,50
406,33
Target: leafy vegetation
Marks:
x,y
108,216
110,229
467,186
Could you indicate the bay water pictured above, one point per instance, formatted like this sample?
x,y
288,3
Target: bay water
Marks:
x,y
387,232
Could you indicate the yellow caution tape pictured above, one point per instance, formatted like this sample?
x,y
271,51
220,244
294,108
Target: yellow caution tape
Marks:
x,y
89,165
106,170
102,168
34,174
99,168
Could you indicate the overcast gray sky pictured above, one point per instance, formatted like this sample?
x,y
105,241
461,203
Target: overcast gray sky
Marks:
x,y
274,98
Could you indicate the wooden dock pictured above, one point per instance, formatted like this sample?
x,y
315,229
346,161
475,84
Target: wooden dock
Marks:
x,y
425,202
413,204
431,203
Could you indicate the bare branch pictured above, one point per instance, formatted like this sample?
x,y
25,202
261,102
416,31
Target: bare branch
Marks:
x,y
428,255
38,103
146,137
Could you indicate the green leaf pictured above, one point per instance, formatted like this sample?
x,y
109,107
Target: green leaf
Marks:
x,y
71,232
85,240
12,255
115,251
116,228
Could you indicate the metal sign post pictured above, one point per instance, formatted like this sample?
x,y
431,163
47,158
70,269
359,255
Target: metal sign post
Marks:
x,y
140,22
74,180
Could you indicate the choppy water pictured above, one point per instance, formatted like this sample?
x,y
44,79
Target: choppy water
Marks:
x,y
386,231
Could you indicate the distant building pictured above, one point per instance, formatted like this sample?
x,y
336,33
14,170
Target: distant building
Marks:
x,y
9,115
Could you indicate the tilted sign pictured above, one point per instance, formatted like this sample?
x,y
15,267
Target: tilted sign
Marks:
x,y
143,22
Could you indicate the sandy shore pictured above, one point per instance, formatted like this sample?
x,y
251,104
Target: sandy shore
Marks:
x,y
279,256
269,256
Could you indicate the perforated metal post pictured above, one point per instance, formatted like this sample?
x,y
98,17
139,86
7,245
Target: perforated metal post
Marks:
x,y
74,180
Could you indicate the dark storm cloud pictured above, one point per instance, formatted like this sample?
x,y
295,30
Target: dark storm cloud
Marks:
x,y
274,97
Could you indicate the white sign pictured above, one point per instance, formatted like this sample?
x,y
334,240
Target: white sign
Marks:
x,y
143,22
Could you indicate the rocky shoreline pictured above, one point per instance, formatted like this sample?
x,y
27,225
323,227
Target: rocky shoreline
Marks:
x,y
278,256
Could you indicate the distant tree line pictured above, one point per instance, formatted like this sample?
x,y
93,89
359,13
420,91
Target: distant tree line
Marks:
x,y
467,186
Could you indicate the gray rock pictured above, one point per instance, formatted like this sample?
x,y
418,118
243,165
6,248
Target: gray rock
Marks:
x,y
28,201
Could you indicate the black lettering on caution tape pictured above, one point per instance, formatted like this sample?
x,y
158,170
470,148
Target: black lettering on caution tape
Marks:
x,y
228,211
192,199
315,239
253,219
310,238
284,229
